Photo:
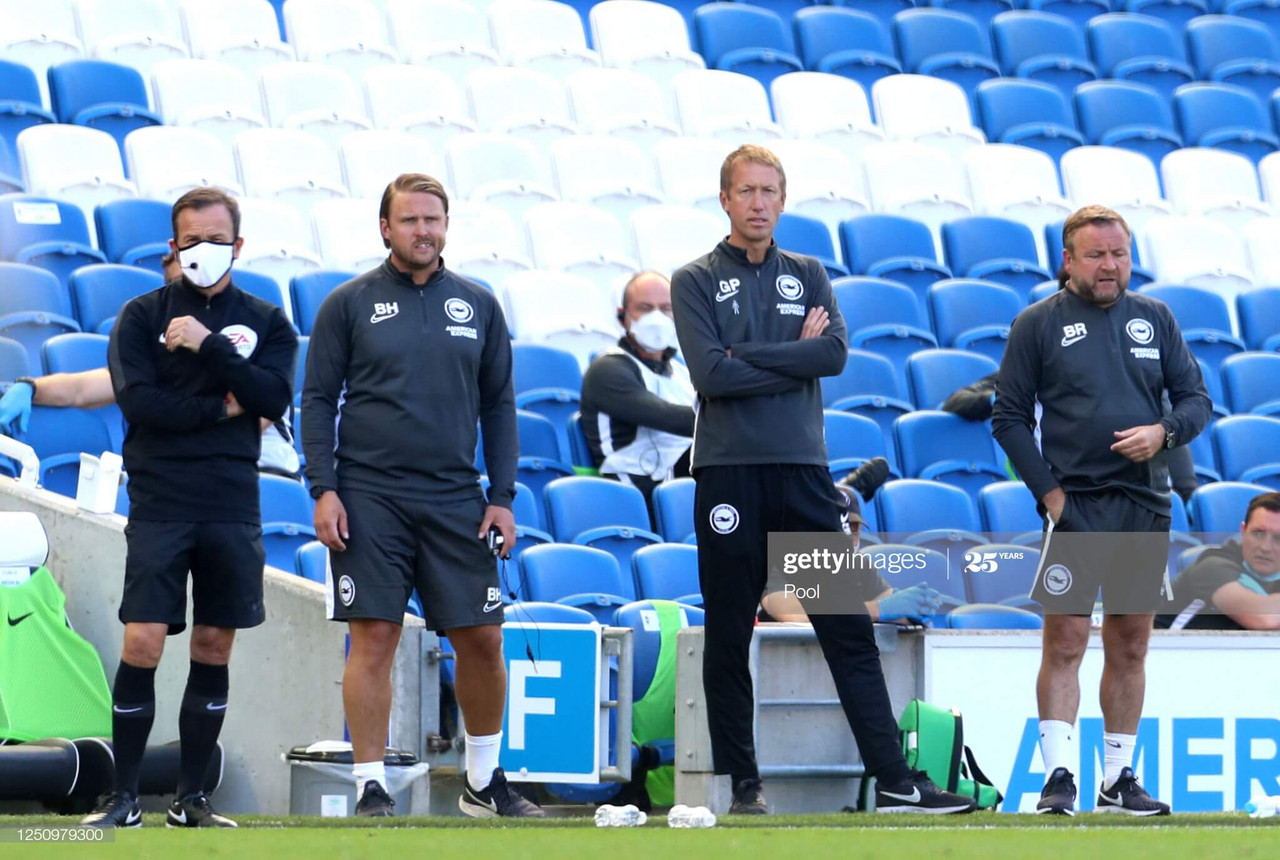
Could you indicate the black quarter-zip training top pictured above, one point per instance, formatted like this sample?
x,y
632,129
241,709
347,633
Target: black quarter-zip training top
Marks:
x,y
406,370
763,404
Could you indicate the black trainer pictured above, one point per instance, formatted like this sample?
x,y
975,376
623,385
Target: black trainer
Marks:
x,y
118,809
498,800
375,802
194,811
868,477
748,798
1059,794
920,794
1129,798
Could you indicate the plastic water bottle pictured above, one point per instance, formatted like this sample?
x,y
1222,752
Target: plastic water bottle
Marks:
x,y
686,817
1262,806
620,816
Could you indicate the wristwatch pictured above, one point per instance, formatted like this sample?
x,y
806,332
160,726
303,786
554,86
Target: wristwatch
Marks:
x,y
1170,437
29,381
317,492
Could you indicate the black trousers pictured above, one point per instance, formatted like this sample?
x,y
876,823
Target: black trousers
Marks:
x,y
735,509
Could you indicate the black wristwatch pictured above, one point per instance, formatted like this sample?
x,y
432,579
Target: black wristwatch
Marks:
x,y
1170,437
317,492
29,381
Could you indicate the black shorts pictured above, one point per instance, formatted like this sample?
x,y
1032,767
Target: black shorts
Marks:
x,y
1104,540
225,561
397,545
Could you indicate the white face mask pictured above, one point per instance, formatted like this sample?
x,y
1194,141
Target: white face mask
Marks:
x,y
204,263
655,331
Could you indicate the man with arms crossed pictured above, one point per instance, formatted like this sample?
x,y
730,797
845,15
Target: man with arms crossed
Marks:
x,y
1098,359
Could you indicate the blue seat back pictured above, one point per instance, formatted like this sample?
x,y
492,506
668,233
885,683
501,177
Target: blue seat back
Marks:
x,y
1259,314
1251,379
311,561
30,288
1024,34
864,373
257,284
1193,307
912,505
924,33
124,225
824,30
536,366
870,239
538,437
74,352
14,361
673,508
958,306
556,570
968,242
54,430
27,220
1008,509
724,27
934,373
804,235
1216,39
577,504
1218,508
993,617
1244,442
79,84
530,611
667,571
875,301
102,290
1103,106
284,500
852,436
927,437
1120,36
1201,108
1005,103
309,290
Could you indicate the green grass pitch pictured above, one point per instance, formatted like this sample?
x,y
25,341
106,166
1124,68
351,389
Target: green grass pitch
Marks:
x,y
987,836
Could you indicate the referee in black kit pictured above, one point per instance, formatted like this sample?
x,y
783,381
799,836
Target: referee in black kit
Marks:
x,y
758,327
195,366
1098,360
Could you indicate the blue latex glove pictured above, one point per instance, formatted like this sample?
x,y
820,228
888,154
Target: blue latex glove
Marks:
x,y
914,604
15,409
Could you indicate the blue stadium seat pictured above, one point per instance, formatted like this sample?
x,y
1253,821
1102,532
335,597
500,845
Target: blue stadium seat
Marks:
x,y
74,352
102,289
1226,117
1265,12
1027,113
1213,385
534,612
893,247
1180,537
935,373
548,382
311,560
994,249
31,231
1042,47
941,446
974,315
135,232
1175,13
945,44
33,308
540,459
668,571
1001,573
106,96
300,374
1205,322
933,514
1251,383
986,616
20,102
889,319
1048,288
749,40
10,171
257,284
805,235
13,360
1187,558
851,441
526,507
982,11
673,509
1217,509
600,513
933,572
1128,115
847,42
1233,50
59,436
1053,243
578,576
882,10
1259,314
1009,513
872,387
579,450
309,290
1248,449
287,521
1079,12
1204,458
1140,49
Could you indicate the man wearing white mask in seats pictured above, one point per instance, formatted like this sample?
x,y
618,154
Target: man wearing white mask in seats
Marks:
x,y
637,401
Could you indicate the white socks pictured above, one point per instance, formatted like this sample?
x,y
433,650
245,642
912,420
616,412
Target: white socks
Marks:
x,y
367,771
482,758
1119,755
1056,744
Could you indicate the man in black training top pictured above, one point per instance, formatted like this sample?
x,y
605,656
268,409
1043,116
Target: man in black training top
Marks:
x,y
758,327
637,401
1098,359
407,357
1235,586
195,366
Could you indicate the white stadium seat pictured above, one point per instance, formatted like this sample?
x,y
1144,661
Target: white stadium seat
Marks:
x,y
827,108
1262,240
208,95
73,163
690,171
242,33
1197,251
540,34
500,169
313,98
645,37
725,105
1119,178
916,181
288,166
621,104
582,240
450,36
346,34
483,242
610,174
667,237
166,162
39,35
278,241
821,183
523,102
348,233
1213,182
1018,183
137,33
927,110
371,159
423,102
560,310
